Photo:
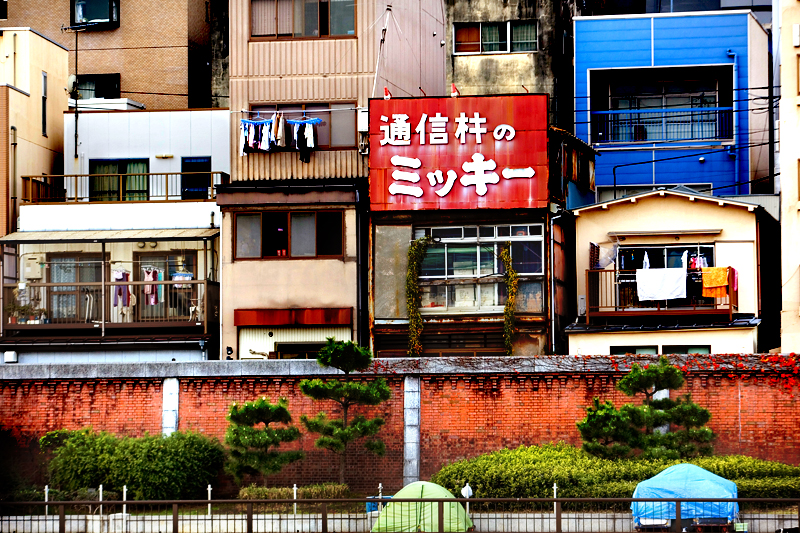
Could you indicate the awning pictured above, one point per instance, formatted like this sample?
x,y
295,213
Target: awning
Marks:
x,y
128,235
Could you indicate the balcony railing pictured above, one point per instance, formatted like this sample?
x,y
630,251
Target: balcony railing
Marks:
x,y
74,188
640,125
127,304
614,293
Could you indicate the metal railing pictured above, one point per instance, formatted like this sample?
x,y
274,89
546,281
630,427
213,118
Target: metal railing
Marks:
x,y
153,187
614,292
563,515
640,125
110,304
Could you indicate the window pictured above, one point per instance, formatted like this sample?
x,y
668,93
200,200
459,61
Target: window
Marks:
x,y
338,128
196,185
495,37
302,18
118,180
662,104
98,86
69,303
298,234
99,14
462,270
44,104
624,350
686,349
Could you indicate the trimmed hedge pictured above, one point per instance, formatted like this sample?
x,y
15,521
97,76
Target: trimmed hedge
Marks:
x,y
310,492
153,467
529,472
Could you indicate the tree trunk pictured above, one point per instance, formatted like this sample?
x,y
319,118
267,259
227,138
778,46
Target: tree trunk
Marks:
x,y
343,456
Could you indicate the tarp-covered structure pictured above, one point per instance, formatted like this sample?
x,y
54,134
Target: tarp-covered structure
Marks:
x,y
685,481
400,516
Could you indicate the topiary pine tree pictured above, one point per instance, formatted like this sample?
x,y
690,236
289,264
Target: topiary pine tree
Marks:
x,y
251,448
337,434
610,432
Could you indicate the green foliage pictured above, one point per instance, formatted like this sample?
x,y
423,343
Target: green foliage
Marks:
x,y
346,356
251,445
529,472
153,467
323,491
651,378
416,253
336,434
610,432
512,287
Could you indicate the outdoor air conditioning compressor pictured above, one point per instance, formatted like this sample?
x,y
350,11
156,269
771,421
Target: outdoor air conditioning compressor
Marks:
x,y
33,266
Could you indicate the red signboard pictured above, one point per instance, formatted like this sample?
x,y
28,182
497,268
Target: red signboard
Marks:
x,y
475,152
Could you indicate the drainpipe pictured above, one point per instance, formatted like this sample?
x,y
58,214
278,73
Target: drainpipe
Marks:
x,y
553,284
12,219
14,61
734,152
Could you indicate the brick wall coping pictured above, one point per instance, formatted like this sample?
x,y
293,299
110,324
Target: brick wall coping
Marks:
x,y
300,368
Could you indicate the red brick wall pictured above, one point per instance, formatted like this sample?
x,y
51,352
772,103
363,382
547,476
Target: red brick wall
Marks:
x,y
462,416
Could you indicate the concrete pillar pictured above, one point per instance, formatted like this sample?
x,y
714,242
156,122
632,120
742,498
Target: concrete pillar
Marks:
x,y
411,438
169,409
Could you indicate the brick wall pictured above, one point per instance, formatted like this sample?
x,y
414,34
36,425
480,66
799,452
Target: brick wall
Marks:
x,y
461,415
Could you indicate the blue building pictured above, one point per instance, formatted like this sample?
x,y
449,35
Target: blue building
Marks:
x,y
673,99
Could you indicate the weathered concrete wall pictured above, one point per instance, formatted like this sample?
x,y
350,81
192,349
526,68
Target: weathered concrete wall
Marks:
x,y
391,265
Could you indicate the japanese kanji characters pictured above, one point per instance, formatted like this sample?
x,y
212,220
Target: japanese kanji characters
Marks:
x,y
398,133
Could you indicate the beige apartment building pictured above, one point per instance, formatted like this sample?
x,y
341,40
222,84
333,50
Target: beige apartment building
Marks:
x,y
33,70
790,182
155,53
294,241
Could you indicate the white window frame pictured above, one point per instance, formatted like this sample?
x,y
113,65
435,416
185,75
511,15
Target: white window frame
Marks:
x,y
509,40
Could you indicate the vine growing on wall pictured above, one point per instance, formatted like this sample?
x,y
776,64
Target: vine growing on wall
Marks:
x,y
512,286
416,253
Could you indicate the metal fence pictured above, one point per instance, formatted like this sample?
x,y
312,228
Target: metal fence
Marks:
x,y
640,125
363,515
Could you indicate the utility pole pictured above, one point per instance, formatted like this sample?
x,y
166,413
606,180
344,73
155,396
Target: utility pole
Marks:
x,y
771,112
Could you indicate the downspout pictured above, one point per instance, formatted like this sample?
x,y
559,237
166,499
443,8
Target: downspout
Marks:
x,y
553,284
14,62
734,151
12,220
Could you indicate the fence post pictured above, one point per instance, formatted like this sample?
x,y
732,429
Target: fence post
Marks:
x,y
324,518
124,505
250,517
209,499
558,516
174,518
677,527
62,520
101,502
294,492
440,504
46,499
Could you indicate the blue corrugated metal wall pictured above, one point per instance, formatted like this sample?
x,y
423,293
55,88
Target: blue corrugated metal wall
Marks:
x,y
664,41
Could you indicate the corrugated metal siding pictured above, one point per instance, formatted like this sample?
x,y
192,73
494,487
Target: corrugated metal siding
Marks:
x,y
770,202
286,165
258,339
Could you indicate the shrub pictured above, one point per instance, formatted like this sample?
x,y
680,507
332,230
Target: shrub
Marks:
x,y
153,467
310,492
529,472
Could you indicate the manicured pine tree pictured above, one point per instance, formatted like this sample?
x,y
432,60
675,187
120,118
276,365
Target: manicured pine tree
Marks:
x,y
336,434
610,432
252,447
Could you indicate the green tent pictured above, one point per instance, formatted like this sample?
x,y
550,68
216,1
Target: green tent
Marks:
x,y
421,516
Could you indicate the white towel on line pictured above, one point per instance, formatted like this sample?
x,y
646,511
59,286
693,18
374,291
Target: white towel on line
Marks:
x,y
660,283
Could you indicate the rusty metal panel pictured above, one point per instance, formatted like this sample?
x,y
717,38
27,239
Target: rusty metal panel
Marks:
x,y
499,160
338,316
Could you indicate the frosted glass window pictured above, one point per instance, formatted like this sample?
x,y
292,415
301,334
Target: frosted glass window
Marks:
x,y
248,236
303,235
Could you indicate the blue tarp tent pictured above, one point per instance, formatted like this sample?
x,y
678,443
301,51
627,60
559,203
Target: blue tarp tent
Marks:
x,y
685,481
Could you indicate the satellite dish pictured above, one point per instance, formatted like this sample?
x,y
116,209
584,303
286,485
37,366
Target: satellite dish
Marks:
x,y
72,82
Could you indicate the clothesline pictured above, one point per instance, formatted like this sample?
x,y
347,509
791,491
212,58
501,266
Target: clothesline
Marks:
x,y
297,111
314,120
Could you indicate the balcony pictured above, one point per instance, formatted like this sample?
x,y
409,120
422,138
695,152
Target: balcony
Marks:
x,y
660,125
158,187
110,307
613,293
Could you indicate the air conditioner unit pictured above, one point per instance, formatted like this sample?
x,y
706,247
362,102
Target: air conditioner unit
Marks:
x,y
33,266
10,357
363,120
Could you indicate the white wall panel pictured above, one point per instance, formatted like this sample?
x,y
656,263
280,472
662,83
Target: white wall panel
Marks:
x,y
258,339
119,216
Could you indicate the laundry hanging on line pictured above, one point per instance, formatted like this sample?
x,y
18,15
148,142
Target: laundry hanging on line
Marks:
x,y
271,135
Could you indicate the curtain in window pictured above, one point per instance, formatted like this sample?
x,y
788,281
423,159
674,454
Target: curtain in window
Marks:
x,y
262,17
63,299
490,37
523,37
285,17
104,188
136,183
